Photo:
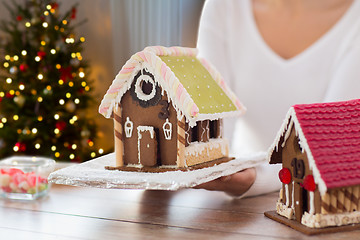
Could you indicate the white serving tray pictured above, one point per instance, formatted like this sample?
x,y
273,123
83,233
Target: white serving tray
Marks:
x,y
93,174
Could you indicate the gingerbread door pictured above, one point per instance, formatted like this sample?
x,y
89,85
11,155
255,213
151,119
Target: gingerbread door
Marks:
x,y
301,202
147,146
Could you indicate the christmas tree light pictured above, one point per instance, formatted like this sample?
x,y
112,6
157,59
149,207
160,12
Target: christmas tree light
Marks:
x,y
45,90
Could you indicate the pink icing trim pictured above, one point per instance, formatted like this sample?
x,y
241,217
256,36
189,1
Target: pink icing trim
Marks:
x,y
142,55
176,50
163,70
238,104
103,110
182,98
126,70
194,110
113,90
179,91
161,50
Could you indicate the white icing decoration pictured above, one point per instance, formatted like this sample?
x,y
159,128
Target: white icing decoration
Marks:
x,y
287,134
326,220
167,128
285,211
221,128
128,126
150,129
195,148
208,129
187,135
143,129
312,204
287,194
292,196
205,130
138,90
168,166
135,165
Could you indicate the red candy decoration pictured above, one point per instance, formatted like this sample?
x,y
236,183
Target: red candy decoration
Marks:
x,y
285,175
19,18
309,183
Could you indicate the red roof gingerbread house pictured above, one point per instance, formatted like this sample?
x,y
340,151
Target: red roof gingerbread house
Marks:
x,y
319,148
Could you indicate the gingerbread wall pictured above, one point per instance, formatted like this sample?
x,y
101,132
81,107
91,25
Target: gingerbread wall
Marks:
x,y
290,152
149,116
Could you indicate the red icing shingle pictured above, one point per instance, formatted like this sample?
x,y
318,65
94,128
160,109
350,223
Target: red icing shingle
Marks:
x,y
332,131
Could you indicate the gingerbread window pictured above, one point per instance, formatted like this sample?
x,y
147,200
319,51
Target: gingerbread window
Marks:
x,y
215,128
145,90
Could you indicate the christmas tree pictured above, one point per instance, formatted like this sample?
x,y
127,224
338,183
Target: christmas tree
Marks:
x,y
44,85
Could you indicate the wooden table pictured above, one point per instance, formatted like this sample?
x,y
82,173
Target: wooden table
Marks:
x,y
90,213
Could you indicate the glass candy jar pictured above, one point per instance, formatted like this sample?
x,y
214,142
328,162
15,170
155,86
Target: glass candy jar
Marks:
x,y
25,178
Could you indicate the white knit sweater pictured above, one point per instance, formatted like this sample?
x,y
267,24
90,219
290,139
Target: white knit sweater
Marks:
x,y
328,70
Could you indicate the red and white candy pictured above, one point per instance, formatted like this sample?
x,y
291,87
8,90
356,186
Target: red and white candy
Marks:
x,y
14,180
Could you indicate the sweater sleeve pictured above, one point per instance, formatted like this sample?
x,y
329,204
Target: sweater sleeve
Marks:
x,y
266,180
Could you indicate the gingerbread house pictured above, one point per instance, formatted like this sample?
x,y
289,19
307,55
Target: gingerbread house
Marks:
x,y
167,105
318,146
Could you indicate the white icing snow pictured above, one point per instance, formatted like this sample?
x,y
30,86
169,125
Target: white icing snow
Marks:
x,y
312,203
287,195
143,129
195,148
327,220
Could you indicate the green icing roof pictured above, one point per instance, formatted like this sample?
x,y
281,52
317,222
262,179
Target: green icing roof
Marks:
x,y
205,92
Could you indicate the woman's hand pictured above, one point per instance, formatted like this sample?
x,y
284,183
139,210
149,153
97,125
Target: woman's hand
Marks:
x,y
234,185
